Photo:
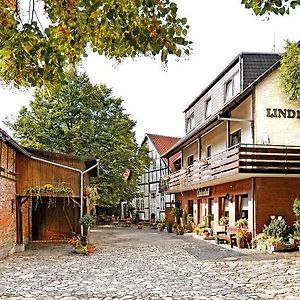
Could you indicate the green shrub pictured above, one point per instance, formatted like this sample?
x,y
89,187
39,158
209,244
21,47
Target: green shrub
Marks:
x,y
87,220
277,229
296,207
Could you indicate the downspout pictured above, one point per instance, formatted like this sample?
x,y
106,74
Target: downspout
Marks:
x,y
73,169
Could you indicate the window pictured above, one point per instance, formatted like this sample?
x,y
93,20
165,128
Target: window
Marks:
x,y
241,207
153,195
162,203
235,138
208,151
208,107
190,122
223,207
154,164
190,160
232,87
142,204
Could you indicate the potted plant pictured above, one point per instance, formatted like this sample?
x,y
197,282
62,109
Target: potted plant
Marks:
x,y
224,220
87,221
240,240
169,227
179,230
242,223
177,212
260,242
161,226
190,223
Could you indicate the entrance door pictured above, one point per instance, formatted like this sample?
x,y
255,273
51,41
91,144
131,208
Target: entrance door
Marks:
x,y
191,207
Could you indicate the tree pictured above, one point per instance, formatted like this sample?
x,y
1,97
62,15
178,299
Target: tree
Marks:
x,y
87,120
290,71
39,40
262,7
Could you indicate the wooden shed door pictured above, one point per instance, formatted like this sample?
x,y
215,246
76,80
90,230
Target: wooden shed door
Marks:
x,y
54,222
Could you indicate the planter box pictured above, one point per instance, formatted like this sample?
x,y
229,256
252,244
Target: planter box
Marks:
x,y
261,246
281,248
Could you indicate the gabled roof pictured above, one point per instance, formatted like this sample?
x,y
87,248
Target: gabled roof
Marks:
x,y
215,119
162,143
253,65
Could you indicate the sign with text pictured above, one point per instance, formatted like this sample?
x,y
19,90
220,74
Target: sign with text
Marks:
x,y
283,113
203,192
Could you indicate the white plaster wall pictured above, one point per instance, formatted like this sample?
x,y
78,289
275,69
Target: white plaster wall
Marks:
x,y
243,111
191,149
216,138
281,131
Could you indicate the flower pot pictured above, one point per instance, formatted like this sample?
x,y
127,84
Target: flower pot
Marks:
x,y
91,248
170,228
240,242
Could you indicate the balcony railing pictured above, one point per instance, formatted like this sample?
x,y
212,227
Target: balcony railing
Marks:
x,y
240,159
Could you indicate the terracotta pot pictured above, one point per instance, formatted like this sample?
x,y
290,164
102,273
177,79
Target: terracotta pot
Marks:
x,y
91,248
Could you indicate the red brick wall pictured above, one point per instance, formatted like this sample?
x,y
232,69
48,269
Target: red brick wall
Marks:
x,y
275,196
7,216
184,198
26,221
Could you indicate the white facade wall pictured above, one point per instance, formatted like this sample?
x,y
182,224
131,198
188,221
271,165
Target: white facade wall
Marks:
x,y
151,200
244,112
216,139
269,95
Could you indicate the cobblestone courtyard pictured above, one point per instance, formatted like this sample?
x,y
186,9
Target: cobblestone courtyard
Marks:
x,y
146,264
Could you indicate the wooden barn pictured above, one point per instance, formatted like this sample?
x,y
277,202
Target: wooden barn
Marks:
x,y
48,188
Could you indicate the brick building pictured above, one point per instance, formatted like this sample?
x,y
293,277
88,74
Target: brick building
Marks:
x,y
241,151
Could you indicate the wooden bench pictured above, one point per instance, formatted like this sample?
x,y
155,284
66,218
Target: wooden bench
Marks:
x,y
227,235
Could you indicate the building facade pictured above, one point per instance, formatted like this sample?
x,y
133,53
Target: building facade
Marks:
x,y
152,202
241,151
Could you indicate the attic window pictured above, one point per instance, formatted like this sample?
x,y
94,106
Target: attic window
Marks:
x,y
190,122
208,107
232,87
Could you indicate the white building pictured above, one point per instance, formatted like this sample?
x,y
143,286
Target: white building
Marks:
x,y
152,203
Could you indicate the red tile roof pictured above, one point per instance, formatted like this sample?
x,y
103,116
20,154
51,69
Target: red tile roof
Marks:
x,y
163,143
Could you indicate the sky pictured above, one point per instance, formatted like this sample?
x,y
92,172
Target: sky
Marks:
x,y
155,97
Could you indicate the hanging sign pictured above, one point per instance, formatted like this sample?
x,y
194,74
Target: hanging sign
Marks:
x,y
203,192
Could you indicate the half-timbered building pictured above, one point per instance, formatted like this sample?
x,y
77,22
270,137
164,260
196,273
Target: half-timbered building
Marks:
x,y
153,202
241,151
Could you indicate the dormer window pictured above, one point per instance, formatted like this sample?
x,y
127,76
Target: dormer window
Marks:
x,y
190,122
232,87
208,107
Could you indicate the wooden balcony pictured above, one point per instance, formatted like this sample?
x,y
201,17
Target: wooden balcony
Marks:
x,y
239,162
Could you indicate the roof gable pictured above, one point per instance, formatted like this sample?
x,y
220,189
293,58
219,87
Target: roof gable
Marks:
x,y
162,143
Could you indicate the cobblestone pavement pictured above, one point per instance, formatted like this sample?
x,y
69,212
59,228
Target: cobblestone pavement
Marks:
x,y
146,264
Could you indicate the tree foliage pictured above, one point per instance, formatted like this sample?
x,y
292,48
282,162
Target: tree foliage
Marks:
x,y
262,7
290,71
40,38
86,120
